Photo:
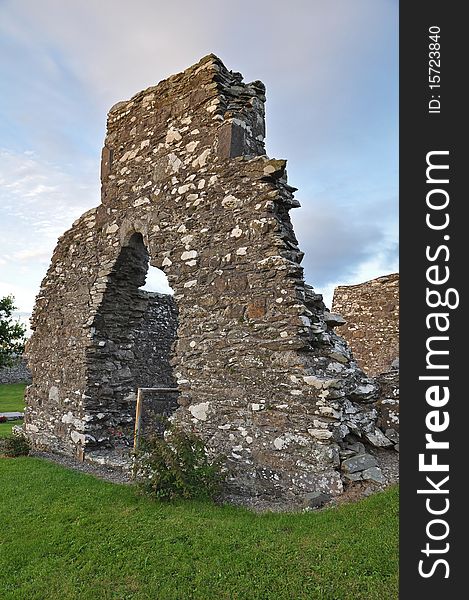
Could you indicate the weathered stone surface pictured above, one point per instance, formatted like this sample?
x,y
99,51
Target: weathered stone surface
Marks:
x,y
316,499
388,402
371,312
392,435
373,474
377,438
334,319
356,447
360,462
18,372
260,373
353,477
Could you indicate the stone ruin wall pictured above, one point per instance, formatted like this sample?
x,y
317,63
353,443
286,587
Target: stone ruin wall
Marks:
x,y
17,372
371,312
261,374
371,328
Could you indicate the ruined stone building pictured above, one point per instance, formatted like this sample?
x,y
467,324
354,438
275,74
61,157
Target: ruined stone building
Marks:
x,y
17,372
259,372
371,312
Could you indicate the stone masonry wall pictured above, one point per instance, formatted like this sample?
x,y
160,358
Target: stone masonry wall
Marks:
x,y
154,338
371,311
261,375
18,372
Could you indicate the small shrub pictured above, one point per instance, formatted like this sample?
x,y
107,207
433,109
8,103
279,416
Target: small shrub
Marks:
x,y
3,419
15,445
178,466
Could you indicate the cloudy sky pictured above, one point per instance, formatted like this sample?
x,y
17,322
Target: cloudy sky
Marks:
x,y
330,67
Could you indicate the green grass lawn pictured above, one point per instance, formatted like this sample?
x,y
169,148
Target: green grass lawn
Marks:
x,y
12,397
11,400
5,428
66,535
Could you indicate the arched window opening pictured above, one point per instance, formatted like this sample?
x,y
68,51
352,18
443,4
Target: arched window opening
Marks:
x,y
135,329
157,281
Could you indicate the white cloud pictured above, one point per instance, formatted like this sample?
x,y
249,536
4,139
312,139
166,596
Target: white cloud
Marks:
x,y
346,244
315,57
331,75
42,194
24,293
38,201
156,281
39,254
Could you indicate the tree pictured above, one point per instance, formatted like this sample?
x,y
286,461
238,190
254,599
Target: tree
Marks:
x,y
12,333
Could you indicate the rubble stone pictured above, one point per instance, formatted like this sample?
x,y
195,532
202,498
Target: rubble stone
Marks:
x,y
17,372
360,462
371,312
373,474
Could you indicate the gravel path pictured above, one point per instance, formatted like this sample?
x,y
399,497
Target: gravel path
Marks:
x,y
388,462
99,471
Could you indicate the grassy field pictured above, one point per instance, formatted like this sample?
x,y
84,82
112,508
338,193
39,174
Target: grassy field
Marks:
x,y
5,428
12,397
66,535
11,400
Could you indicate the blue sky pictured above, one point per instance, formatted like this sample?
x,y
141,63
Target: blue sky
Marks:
x,y
331,71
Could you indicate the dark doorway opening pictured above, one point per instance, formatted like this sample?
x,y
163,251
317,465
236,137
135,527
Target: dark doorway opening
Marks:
x,y
134,333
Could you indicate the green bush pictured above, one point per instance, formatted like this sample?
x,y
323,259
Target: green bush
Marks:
x,y
15,445
178,466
